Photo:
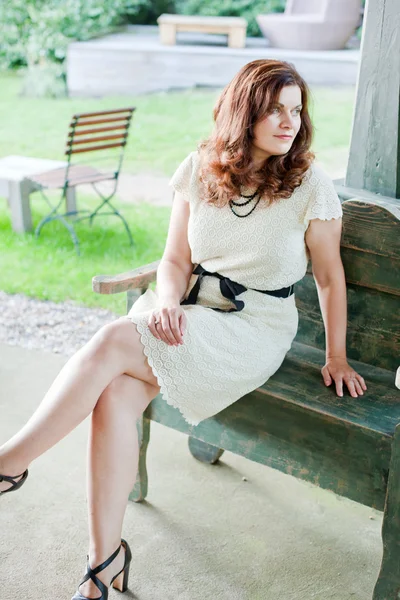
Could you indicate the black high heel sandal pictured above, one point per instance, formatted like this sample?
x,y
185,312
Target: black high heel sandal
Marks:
x,y
118,582
15,484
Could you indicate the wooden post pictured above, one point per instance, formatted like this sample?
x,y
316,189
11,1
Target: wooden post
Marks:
x,y
388,585
374,162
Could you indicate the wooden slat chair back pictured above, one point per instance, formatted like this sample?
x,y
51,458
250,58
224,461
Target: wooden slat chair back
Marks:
x,y
89,134
294,423
84,130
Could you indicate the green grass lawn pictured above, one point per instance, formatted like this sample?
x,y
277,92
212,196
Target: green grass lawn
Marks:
x,y
48,267
165,128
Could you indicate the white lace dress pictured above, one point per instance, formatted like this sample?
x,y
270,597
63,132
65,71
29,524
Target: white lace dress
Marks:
x,y
225,355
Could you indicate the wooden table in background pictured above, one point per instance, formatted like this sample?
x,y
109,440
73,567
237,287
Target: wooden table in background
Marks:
x,y
234,27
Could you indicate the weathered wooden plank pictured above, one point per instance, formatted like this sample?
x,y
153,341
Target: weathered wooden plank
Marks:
x,y
299,381
348,460
388,584
371,227
350,193
370,246
366,308
374,161
114,284
363,348
371,270
314,436
373,334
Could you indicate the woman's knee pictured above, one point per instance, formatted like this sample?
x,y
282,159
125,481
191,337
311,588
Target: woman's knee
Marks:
x,y
117,337
118,345
136,395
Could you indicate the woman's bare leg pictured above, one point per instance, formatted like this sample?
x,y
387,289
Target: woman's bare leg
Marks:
x,y
113,454
114,350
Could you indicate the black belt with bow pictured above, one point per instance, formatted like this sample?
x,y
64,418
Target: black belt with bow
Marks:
x,y
230,289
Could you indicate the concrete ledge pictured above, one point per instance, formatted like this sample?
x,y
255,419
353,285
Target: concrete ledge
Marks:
x,y
133,61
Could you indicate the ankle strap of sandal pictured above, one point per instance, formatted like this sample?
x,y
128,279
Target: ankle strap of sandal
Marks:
x,y
11,479
105,563
91,573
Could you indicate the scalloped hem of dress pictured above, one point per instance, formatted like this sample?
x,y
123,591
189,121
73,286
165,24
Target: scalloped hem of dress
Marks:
x,y
307,221
163,389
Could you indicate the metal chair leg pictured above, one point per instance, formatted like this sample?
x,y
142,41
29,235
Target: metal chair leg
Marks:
x,y
115,211
70,228
54,215
128,231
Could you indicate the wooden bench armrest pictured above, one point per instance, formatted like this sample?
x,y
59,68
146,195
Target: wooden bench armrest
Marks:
x,y
114,284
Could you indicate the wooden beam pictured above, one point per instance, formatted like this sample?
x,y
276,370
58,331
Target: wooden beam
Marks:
x,y
374,161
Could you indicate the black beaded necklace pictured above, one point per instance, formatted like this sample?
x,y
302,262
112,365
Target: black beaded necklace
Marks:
x,y
249,198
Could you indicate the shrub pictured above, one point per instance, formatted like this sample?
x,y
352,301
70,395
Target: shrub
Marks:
x,y
150,11
36,34
34,30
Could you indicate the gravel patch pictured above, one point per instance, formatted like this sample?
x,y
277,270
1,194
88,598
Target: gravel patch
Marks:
x,y
60,328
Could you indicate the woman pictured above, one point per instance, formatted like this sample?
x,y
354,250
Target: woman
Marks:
x,y
250,207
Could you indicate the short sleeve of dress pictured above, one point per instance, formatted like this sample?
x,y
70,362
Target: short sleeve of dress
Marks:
x,y
324,203
181,179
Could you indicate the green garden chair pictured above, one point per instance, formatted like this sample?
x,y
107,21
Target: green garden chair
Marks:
x,y
83,137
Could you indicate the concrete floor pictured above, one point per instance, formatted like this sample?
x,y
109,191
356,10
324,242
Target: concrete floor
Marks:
x,y
203,534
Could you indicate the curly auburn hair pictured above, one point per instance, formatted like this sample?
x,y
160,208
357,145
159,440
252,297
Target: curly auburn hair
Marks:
x,y
226,161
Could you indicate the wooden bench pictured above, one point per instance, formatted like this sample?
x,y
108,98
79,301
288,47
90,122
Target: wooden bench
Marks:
x,y
293,422
234,27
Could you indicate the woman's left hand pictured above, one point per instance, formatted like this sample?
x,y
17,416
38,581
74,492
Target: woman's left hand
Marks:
x,y
339,371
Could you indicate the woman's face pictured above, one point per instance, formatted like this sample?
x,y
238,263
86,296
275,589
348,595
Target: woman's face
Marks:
x,y
283,120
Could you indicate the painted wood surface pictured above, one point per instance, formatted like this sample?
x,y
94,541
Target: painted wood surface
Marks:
x,y
140,489
204,452
374,161
297,425
373,323
388,585
350,193
114,284
370,250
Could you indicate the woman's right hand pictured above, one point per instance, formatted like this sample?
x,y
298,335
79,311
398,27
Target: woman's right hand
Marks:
x,y
168,323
